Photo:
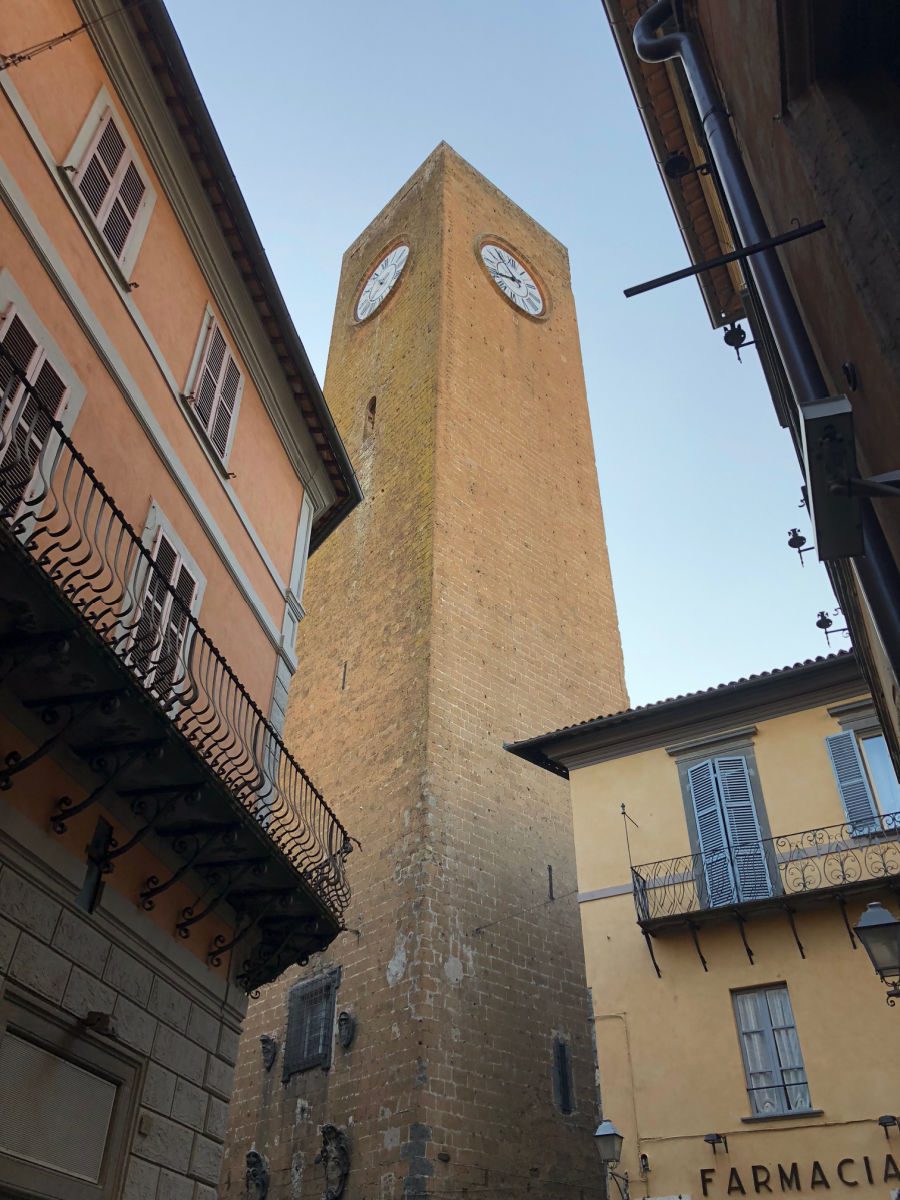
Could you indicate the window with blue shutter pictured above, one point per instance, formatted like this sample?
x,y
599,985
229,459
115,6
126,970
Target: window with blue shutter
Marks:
x,y
853,783
732,855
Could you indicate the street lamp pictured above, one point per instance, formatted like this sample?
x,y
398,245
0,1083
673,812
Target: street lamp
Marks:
x,y
879,932
609,1146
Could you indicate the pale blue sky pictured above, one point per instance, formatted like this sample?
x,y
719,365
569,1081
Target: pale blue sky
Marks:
x,y
325,109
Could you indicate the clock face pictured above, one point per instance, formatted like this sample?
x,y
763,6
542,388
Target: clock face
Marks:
x,y
512,279
381,281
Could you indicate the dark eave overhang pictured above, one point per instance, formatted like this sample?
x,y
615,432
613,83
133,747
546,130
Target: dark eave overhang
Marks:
x,y
802,686
165,55
656,102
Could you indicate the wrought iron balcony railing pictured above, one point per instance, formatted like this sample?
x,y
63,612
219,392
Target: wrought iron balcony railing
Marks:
x,y
834,858
59,513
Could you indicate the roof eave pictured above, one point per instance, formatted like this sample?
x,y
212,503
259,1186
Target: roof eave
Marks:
x,y
622,731
310,397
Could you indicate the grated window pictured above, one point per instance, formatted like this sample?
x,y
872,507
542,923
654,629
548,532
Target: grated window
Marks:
x,y
310,1025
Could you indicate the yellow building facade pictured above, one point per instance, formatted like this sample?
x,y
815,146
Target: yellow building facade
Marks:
x,y
727,843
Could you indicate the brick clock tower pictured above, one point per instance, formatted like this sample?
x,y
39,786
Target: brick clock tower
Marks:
x,y
443,1044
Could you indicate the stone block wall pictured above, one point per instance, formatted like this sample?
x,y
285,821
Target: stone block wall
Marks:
x,y
169,1015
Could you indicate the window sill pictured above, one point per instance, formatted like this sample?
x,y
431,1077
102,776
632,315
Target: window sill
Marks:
x,y
796,1114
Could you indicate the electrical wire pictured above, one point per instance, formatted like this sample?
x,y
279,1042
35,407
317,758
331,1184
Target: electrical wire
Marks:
x,y
22,56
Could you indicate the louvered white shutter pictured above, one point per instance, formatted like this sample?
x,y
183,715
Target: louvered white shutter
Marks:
x,y
25,418
852,782
717,880
742,824
216,389
160,635
111,187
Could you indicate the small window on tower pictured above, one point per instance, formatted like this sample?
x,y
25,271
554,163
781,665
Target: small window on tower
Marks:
x,y
562,1076
310,1024
370,419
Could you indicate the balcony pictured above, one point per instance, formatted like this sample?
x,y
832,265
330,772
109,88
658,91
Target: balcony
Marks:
x,y
778,873
165,737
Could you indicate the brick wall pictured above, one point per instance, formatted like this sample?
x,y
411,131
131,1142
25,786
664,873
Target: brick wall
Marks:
x,y
470,600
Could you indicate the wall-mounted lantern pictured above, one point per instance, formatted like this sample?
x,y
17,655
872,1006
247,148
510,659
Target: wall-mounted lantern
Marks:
x,y
608,1141
879,932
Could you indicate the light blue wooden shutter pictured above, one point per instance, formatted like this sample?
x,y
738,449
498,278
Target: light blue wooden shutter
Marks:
x,y
742,824
853,785
717,873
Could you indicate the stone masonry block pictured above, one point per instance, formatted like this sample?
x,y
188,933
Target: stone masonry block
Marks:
x,y
84,945
229,1041
39,967
203,1027
128,976
134,1026
206,1159
162,1141
25,905
169,1005
159,1089
189,1104
219,1077
175,1187
142,1180
8,935
86,994
217,1119
176,1052
204,1193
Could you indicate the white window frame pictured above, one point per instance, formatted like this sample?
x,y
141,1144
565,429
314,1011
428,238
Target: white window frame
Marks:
x,y
208,327
102,111
14,304
774,1066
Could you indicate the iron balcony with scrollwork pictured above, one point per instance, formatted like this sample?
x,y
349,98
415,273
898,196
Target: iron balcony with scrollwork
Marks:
x,y
165,736
832,861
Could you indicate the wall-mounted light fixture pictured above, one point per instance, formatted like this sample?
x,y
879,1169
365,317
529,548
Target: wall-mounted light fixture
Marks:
x,y
879,932
886,1122
716,1139
608,1141
677,165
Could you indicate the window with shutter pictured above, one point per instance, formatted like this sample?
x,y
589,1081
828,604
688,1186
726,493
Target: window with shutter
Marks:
x,y
773,1062
853,784
157,647
25,416
732,852
310,1025
216,388
112,186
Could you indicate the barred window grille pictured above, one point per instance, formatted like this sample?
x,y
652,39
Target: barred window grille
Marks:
x,y
112,186
310,1025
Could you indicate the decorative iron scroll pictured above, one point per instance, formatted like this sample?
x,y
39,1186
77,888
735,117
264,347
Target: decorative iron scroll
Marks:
x,y
829,858
53,505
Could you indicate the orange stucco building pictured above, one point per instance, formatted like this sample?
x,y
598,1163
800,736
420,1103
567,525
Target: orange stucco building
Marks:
x,y
167,462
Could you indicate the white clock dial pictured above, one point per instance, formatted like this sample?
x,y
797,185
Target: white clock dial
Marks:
x,y
512,279
380,282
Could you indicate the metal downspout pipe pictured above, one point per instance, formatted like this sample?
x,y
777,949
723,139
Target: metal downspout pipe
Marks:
x,y
877,570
